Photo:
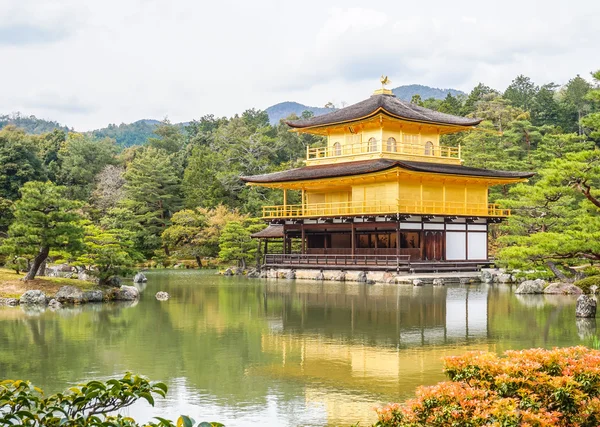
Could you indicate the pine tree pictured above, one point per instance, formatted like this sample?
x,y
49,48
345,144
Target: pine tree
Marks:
x,y
45,220
152,195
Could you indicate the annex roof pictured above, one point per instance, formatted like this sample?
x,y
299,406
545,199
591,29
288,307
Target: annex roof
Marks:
x,y
273,231
384,103
377,165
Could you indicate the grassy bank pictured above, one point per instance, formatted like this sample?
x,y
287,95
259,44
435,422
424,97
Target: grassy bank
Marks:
x,y
12,287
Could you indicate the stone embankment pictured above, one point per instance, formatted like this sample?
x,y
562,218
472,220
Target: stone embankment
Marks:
x,y
73,295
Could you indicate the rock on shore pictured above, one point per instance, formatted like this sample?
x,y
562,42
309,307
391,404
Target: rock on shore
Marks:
x,y
562,289
531,287
33,297
69,295
126,293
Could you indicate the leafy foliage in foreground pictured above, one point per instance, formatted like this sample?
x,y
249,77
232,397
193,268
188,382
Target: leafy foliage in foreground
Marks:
x,y
536,387
89,404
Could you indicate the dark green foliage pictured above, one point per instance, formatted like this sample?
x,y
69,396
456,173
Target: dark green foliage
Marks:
x,y
586,284
152,196
85,405
31,124
128,135
19,161
45,220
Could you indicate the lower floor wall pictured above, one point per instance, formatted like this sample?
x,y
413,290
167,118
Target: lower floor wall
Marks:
x,y
422,238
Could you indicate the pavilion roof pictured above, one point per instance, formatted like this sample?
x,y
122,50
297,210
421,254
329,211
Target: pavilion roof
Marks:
x,y
385,103
272,231
370,166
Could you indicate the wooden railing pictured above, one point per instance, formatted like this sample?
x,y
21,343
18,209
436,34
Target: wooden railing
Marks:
x,y
384,147
375,207
394,261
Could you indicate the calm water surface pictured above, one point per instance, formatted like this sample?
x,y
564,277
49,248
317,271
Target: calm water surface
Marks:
x,y
279,353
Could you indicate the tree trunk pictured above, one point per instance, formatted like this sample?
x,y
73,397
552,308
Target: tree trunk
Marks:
x,y
199,261
243,263
37,262
559,274
42,270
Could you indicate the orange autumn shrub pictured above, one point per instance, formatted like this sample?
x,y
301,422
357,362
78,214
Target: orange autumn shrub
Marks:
x,y
559,387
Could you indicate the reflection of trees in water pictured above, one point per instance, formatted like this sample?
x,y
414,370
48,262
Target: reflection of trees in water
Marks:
x,y
521,321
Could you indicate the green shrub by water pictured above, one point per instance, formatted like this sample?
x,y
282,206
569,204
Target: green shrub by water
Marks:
x,y
90,404
587,283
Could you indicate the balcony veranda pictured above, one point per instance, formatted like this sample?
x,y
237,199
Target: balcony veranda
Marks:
x,y
374,207
374,148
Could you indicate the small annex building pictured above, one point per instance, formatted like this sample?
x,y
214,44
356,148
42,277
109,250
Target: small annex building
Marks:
x,y
383,193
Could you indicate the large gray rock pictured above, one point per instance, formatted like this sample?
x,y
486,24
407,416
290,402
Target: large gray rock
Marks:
x,y
162,296
465,280
9,301
362,277
438,282
253,273
586,307
418,282
486,276
339,277
505,278
84,275
320,276
93,296
33,298
54,304
126,293
531,287
69,295
140,278
562,289
113,281
228,272
290,275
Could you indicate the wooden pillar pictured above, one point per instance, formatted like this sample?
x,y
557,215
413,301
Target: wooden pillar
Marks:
x,y
352,252
303,239
285,202
284,241
266,246
398,238
303,200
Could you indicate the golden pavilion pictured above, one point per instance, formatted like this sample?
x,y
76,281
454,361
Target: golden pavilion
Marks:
x,y
384,193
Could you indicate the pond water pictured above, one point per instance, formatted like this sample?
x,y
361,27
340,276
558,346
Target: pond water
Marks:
x,y
279,353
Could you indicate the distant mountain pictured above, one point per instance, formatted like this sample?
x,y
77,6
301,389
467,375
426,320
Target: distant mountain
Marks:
x,y
406,92
285,109
138,132
31,124
126,135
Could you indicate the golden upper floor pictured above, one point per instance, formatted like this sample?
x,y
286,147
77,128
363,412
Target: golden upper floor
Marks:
x,y
383,126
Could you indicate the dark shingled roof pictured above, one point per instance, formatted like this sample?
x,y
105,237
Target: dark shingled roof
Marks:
x,y
392,105
273,231
378,165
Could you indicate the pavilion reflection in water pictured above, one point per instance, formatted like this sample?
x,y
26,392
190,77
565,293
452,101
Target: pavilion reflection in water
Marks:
x,y
380,342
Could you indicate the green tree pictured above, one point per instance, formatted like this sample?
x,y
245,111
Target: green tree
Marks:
x,y
416,99
169,137
81,158
107,253
201,186
521,93
152,195
45,220
479,93
592,121
545,109
19,161
575,97
557,221
236,243
184,232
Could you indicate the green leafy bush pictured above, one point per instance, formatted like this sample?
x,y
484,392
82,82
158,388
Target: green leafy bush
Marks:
x,y
586,284
85,405
591,271
543,388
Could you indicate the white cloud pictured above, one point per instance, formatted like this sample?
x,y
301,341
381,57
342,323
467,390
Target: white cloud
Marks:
x,y
87,64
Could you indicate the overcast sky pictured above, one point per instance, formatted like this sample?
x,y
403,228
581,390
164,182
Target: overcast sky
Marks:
x,y
89,63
